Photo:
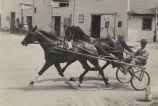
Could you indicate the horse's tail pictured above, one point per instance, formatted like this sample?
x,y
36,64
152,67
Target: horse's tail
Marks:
x,y
126,46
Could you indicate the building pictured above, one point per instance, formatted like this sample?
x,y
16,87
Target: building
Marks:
x,y
142,20
10,10
134,19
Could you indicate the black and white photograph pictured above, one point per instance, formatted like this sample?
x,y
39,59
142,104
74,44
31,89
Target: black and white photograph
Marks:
x,y
78,52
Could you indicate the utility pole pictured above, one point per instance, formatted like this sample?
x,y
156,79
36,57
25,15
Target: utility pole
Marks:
x,y
155,34
74,12
51,24
33,15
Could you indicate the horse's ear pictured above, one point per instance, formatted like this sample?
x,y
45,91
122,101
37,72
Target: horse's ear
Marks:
x,y
66,27
35,28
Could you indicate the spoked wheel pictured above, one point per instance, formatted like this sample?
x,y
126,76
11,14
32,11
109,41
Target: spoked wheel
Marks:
x,y
123,75
140,80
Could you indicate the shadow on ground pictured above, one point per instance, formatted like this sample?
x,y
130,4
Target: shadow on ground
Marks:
x,y
90,83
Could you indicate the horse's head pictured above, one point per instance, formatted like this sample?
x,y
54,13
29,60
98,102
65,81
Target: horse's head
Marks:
x,y
76,33
69,33
30,37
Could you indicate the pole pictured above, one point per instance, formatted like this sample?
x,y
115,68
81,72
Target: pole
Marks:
x,y
115,26
21,13
155,22
51,24
74,13
33,3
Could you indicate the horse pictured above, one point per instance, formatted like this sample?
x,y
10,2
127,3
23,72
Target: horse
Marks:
x,y
50,43
104,46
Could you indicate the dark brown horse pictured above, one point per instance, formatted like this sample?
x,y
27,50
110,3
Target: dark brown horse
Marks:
x,y
105,46
50,43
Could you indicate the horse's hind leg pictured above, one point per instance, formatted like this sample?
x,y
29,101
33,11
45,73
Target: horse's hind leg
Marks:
x,y
44,68
96,64
58,67
70,61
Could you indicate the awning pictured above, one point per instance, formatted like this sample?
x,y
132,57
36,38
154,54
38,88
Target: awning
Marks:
x,y
26,6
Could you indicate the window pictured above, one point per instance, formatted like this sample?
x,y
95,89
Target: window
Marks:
x,y
63,4
119,24
107,24
147,24
81,18
35,10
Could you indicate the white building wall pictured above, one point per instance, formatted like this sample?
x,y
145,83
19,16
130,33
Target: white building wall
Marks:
x,y
64,12
8,6
89,7
27,12
42,17
135,32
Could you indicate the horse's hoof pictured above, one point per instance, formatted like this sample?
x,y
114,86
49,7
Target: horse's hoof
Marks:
x,y
79,85
107,85
31,83
72,79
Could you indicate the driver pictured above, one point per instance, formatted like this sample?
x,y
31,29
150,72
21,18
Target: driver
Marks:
x,y
140,56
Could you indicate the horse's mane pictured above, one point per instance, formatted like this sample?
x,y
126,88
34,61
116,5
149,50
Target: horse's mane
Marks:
x,y
48,35
80,33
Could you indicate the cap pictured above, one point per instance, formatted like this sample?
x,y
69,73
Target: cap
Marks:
x,y
144,41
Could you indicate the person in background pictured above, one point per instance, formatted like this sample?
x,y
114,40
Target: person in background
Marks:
x,y
17,25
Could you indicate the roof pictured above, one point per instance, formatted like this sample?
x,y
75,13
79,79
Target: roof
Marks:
x,y
141,13
60,0
143,7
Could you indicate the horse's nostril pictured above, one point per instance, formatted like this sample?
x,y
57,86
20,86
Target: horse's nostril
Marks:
x,y
22,43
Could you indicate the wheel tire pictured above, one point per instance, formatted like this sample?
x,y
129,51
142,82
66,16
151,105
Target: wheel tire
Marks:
x,y
120,74
133,83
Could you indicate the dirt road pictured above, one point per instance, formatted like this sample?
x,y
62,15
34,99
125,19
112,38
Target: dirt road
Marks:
x,y
19,65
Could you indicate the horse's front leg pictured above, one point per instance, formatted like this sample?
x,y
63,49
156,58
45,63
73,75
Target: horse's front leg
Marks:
x,y
86,67
44,68
103,67
96,64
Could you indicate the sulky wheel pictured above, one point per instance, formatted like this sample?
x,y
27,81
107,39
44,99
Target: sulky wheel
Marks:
x,y
123,75
140,80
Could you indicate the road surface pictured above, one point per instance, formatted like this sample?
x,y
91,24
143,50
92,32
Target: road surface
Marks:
x,y
20,64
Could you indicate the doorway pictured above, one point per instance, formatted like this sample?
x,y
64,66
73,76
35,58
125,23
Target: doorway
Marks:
x,y
57,25
95,26
0,20
12,23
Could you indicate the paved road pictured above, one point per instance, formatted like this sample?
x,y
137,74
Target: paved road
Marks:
x,y
19,65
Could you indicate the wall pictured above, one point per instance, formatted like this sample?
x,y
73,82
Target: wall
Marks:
x,y
136,33
64,12
42,17
89,7
8,6
27,12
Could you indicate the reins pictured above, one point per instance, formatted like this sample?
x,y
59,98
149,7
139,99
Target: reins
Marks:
x,y
60,43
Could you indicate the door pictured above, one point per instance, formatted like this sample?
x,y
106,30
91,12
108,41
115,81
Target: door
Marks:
x,y
107,25
95,26
57,25
12,23
0,20
29,22
29,19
